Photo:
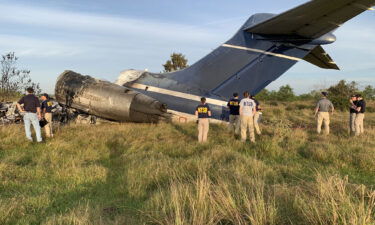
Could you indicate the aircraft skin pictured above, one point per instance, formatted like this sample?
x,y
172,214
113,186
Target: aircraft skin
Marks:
x,y
263,49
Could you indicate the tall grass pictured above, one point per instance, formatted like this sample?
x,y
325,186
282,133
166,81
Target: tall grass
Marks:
x,y
203,201
159,174
333,200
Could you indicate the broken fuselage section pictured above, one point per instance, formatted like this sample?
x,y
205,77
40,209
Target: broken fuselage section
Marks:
x,y
107,100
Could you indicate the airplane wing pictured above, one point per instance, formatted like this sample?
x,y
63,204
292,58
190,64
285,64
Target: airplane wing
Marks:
x,y
321,59
313,19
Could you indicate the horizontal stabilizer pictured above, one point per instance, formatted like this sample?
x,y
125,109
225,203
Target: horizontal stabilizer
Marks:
x,y
312,19
320,58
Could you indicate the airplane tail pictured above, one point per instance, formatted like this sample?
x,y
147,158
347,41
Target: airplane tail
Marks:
x,y
267,45
246,62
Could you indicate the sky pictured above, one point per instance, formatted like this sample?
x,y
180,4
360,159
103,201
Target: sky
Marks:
x,y
103,38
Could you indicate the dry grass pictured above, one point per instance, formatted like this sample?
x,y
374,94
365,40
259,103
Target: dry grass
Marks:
x,y
158,174
203,201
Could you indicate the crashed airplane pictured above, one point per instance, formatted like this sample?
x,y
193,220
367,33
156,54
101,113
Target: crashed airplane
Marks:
x,y
264,48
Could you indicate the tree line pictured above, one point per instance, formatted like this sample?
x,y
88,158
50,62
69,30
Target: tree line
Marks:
x,y
338,94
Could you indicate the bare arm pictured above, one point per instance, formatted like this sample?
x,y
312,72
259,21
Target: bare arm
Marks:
x,y
19,107
196,113
38,112
209,113
316,110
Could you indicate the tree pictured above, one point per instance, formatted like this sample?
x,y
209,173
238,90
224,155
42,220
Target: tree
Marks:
x,y
339,94
369,93
285,93
177,62
263,95
13,80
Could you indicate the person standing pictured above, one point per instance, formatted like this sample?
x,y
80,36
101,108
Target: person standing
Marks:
x,y
203,113
257,115
46,109
353,113
32,115
323,107
247,111
361,109
234,117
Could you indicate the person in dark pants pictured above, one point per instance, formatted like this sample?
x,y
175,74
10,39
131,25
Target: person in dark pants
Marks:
x,y
203,113
234,114
46,109
32,115
361,109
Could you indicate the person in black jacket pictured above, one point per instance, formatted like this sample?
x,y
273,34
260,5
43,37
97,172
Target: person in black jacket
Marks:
x,y
203,113
361,109
46,110
234,110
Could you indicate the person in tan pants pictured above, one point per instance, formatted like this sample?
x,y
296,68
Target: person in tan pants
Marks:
x,y
257,115
203,113
361,109
234,111
323,118
46,109
247,111
323,107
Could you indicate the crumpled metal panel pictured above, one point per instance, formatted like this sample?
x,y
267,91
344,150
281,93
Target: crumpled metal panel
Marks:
x,y
127,76
9,113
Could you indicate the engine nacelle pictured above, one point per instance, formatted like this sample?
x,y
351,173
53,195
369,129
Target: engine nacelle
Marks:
x,y
324,40
107,100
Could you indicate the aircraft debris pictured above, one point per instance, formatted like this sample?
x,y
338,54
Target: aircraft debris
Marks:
x,y
107,100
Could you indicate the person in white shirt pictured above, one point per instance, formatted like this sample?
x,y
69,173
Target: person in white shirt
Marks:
x,y
247,112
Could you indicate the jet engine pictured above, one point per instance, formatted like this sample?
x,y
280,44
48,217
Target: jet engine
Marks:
x,y
107,100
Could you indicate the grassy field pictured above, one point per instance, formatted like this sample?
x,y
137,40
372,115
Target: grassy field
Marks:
x,y
158,174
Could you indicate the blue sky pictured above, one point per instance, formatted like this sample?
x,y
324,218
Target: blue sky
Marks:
x,y
102,38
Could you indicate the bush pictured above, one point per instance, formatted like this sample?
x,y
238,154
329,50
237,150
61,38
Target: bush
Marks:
x,y
285,93
339,94
9,96
370,109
